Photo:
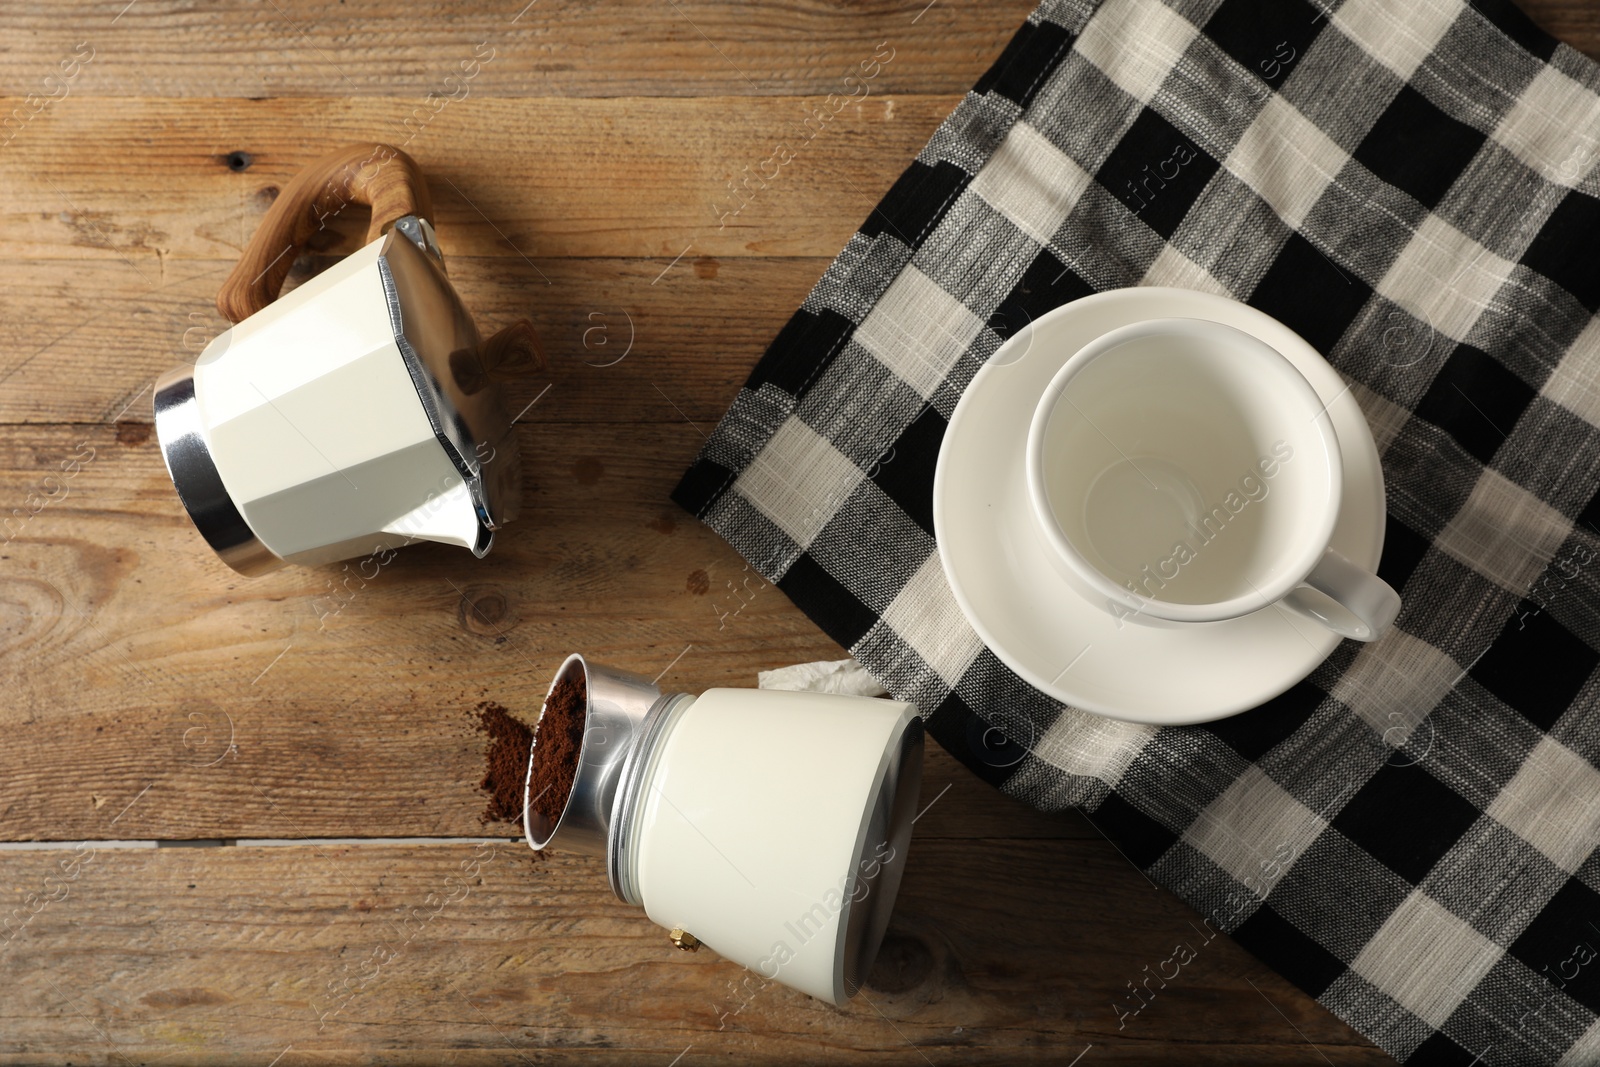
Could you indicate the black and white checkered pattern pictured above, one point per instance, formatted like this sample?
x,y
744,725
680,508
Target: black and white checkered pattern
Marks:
x,y
1411,834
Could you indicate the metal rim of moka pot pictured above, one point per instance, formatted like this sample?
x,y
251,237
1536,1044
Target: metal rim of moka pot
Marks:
x,y
195,476
454,373
627,719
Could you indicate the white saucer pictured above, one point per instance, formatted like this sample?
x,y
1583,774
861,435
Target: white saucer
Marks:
x,y
1035,622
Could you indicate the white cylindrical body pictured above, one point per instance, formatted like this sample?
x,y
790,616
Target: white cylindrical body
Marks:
x,y
317,429
757,826
352,416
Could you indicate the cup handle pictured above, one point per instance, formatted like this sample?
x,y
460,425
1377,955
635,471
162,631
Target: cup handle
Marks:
x,y
1369,605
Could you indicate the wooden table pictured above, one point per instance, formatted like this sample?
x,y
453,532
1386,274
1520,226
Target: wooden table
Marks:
x,y
309,766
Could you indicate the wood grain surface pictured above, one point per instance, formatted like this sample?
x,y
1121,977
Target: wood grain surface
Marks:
x,y
581,178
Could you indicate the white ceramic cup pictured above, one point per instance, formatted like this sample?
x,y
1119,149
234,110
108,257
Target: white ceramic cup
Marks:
x,y
1182,472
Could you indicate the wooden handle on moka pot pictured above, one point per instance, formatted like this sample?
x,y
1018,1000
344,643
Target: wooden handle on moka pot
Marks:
x,y
379,176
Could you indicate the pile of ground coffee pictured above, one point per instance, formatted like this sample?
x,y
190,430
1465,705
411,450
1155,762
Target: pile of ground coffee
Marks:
x,y
557,741
505,762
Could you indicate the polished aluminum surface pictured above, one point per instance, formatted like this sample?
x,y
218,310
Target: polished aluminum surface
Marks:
x,y
617,704
195,475
439,343
420,232
619,848
880,857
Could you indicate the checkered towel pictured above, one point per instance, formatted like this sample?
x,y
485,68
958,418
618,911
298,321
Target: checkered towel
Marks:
x,y
1411,834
